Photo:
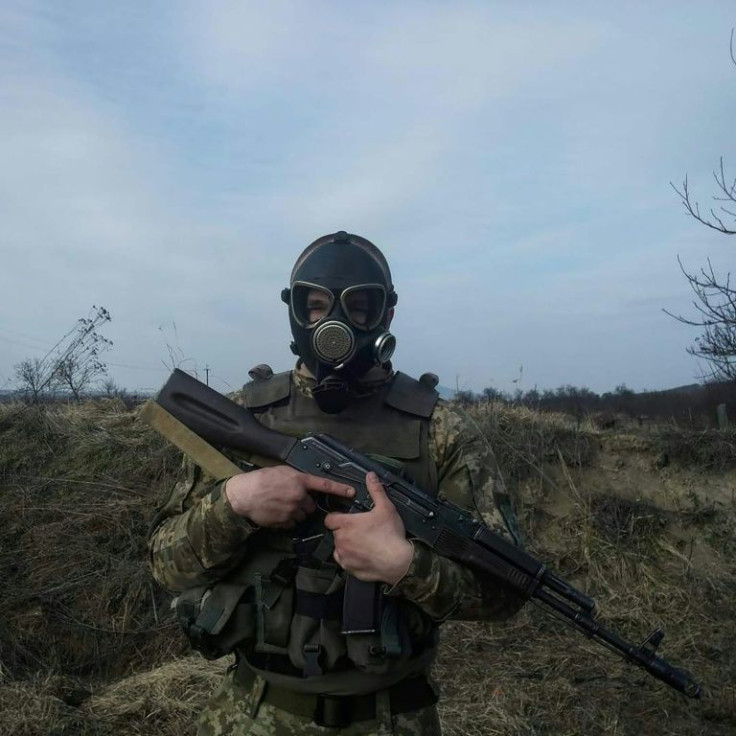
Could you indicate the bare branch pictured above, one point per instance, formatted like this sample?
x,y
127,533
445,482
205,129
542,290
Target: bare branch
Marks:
x,y
73,363
692,207
715,303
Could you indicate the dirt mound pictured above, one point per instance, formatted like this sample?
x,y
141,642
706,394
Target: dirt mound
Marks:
x,y
644,522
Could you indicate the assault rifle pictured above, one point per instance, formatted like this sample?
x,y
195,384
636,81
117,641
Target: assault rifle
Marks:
x,y
198,420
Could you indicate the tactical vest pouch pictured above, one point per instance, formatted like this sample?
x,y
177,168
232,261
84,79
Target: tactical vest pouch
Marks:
x,y
383,651
316,644
215,619
255,603
274,607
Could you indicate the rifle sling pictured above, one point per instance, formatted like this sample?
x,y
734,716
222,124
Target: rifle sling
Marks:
x,y
201,452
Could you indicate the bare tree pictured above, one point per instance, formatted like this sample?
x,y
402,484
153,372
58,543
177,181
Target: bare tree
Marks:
x,y
76,374
73,363
32,379
726,197
715,303
79,363
715,299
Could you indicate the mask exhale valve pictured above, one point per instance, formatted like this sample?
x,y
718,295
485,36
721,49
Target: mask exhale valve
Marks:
x,y
384,348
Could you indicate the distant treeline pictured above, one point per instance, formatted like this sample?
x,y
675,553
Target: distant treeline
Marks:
x,y
686,406
109,390
693,405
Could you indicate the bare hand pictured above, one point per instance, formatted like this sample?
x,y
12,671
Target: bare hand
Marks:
x,y
279,496
372,545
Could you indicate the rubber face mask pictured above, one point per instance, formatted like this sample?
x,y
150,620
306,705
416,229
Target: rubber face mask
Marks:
x,y
339,299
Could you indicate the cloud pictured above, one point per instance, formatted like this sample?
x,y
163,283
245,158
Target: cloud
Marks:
x,y
513,163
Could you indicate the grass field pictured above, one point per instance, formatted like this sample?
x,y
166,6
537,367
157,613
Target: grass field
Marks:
x,y
643,519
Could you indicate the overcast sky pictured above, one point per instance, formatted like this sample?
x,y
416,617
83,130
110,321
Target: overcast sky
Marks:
x,y
169,161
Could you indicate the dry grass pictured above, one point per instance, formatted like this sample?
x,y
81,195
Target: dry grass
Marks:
x,y
88,646
709,449
524,440
162,701
78,491
36,707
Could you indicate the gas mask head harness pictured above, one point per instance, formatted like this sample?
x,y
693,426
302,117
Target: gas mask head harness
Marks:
x,y
340,296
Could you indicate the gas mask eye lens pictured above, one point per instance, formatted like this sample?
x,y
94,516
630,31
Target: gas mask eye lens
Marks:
x,y
364,305
317,307
310,303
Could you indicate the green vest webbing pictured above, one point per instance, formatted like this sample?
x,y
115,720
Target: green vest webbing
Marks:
x,y
391,423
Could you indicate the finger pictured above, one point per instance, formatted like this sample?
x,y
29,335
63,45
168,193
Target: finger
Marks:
x,y
336,520
336,557
309,505
376,491
325,485
299,515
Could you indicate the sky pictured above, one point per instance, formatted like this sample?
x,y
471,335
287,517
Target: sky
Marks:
x,y
169,161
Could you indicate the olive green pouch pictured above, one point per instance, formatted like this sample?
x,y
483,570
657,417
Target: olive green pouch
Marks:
x,y
215,618
316,643
382,651
274,606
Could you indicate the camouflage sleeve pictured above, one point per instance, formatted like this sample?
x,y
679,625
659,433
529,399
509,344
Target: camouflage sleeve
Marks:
x,y
469,477
196,536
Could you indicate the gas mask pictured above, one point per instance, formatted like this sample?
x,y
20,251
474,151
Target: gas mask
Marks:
x,y
339,299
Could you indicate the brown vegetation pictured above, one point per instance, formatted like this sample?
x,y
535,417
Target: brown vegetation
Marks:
x,y
643,521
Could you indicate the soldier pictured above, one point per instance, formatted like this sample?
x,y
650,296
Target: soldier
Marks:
x,y
257,547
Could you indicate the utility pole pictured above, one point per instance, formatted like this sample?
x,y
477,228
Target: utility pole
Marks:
x,y
207,374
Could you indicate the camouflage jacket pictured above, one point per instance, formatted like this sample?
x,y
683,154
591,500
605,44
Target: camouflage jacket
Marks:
x,y
196,538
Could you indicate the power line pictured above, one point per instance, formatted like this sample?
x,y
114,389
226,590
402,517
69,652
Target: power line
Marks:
x,y
24,334
20,342
150,367
45,345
